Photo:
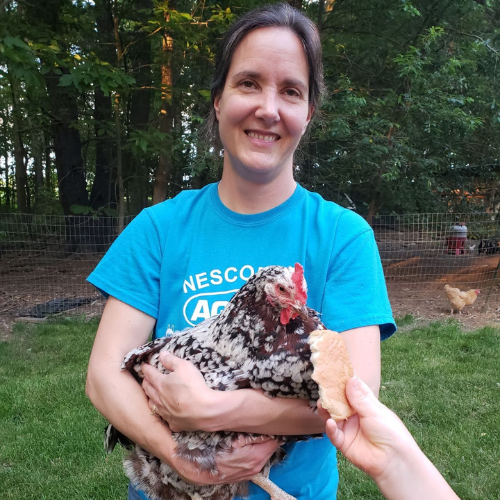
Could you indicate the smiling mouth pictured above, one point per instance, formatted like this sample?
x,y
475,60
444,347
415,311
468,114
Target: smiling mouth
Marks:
x,y
263,137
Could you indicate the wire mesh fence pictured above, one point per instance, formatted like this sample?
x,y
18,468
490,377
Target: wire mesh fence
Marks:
x,y
44,261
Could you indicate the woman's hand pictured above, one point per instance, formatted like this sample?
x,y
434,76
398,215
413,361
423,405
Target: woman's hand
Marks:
x,y
181,398
374,437
246,459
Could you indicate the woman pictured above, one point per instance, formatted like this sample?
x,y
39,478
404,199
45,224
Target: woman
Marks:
x,y
180,261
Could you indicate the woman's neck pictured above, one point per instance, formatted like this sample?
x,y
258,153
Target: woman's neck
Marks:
x,y
246,197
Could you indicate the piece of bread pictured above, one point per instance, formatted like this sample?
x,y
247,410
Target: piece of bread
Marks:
x,y
332,370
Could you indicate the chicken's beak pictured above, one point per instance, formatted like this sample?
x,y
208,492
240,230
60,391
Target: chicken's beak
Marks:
x,y
301,310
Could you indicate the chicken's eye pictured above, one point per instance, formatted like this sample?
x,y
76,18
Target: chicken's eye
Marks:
x,y
281,288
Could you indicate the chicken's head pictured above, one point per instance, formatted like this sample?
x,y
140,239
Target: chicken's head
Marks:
x,y
287,291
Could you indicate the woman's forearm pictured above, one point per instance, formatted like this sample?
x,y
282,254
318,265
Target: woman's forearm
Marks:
x,y
412,476
249,410
121,400
187,403
115,393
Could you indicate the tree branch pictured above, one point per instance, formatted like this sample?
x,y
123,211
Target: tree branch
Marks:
x,y
470,35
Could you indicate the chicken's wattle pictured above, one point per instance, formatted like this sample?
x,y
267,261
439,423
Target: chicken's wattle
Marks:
x,y
287,314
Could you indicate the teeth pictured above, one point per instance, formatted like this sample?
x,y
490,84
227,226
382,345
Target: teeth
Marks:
x,y
268,138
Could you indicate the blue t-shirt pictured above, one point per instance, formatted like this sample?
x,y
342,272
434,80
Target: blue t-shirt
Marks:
x,y
181,261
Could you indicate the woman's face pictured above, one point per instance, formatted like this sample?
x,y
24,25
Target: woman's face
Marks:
x,y
263,109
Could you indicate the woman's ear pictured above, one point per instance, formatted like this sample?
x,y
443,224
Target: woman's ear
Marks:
x,y
309,116
217,106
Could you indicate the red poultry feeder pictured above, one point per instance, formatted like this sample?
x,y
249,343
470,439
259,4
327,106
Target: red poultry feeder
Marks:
x,y
455,243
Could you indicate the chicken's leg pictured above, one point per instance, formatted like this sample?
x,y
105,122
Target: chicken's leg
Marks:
x,y
267,485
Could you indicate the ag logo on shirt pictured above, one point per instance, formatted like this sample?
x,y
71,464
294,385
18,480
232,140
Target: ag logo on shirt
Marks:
x,y
204,305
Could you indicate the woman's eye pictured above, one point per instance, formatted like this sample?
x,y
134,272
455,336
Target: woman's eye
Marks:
x,y
247,83
292,93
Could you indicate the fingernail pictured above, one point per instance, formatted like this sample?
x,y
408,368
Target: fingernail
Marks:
x,y
355,382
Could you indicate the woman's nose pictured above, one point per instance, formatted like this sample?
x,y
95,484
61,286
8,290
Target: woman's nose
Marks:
x,y
268,108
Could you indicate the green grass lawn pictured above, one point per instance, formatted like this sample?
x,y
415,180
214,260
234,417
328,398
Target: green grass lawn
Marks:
x,y
443,382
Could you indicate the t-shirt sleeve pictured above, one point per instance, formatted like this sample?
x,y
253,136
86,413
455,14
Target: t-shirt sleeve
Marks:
x,y
356,293
130,269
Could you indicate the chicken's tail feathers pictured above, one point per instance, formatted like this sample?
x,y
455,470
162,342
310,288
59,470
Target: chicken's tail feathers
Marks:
x,y
112,437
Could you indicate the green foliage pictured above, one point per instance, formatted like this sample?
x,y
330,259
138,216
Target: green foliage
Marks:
x,y
93,212
410,122
148,143
101,75
409,106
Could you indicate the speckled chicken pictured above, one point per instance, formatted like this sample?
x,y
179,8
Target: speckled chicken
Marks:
x,y
258,341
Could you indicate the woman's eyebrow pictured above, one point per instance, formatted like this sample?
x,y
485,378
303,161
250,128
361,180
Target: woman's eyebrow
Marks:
x,y
292,82
245,74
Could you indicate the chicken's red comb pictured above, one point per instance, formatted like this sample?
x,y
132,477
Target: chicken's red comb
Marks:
x,y
298,280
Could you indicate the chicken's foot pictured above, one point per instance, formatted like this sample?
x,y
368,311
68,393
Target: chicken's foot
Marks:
x,y
267,485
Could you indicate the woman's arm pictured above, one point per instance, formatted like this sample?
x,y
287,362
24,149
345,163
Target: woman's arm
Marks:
x,y
184,400
115,393
363,346
376,441
118,396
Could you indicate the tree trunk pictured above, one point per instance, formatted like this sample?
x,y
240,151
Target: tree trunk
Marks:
x,y
118,132
119,169
21,172
490,204
67,144
48,162
373,207
321,12
330,5
37,154
63,104
140,105
164,170
324,7
103,193
7,183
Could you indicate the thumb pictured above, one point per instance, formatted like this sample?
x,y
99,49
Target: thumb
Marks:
x,y
169,361
361,397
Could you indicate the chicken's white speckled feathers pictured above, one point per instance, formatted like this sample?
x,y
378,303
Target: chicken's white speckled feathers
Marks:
x,y
259,340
